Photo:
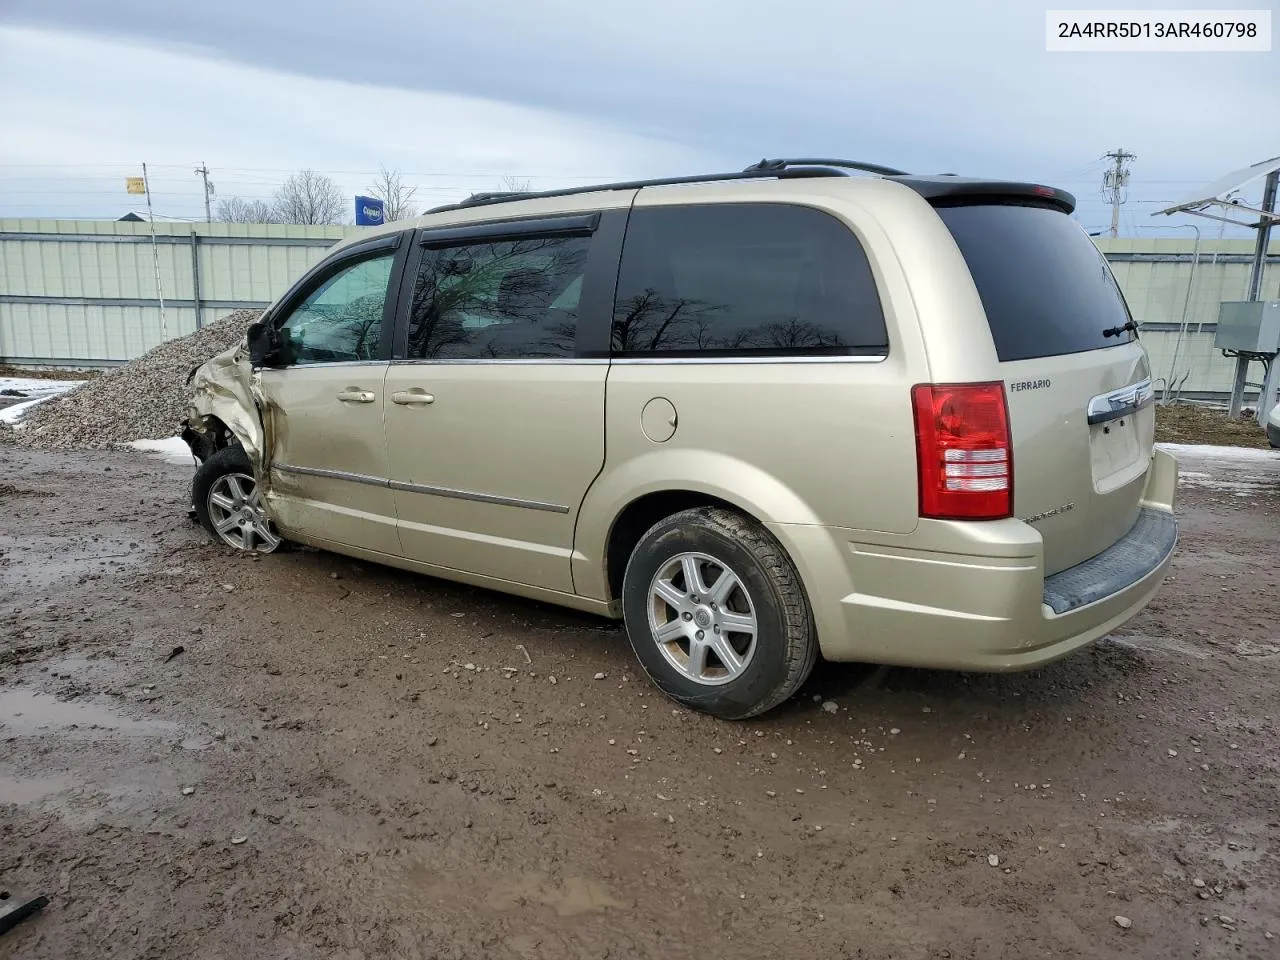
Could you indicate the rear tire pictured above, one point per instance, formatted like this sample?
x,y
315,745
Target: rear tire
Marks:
x,y
225,496
717,615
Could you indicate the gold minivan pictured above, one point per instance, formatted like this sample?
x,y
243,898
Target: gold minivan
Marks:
x,y
815,406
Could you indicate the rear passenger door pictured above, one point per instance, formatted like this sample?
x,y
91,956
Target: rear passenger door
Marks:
x,y
757,328
495,420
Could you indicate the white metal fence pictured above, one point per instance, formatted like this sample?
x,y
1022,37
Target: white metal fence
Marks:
x,y
84,293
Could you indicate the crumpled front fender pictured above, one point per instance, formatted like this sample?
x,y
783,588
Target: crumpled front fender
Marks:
x,y
226,389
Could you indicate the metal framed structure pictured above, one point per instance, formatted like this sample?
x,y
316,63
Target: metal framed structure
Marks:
x,y
1215,202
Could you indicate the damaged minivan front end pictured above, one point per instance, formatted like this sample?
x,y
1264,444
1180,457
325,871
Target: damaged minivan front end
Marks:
x,y
225,430
226,408
225,414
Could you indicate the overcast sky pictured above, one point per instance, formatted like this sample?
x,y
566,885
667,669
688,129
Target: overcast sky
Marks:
x,y
565,91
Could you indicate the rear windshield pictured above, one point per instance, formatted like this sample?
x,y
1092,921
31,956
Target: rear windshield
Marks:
x,y
1046,288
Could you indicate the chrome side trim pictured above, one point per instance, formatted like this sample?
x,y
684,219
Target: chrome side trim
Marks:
x,y
877,358
477,497
329,364
420,488
1121,403
869,358
332,474
537,361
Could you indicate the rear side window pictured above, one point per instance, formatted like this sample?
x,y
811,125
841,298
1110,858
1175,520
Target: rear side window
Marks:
x,y
744,280
1047,290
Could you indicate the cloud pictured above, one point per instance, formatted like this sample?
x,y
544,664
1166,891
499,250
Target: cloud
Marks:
x,y
116,103
929,80
660,86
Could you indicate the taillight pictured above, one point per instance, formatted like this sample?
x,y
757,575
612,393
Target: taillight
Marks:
x,y
964,451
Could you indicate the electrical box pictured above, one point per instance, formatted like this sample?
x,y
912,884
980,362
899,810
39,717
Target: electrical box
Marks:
x,y
1249,325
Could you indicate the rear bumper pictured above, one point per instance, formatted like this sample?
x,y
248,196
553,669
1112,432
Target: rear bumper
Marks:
x,y
1145,548
974,596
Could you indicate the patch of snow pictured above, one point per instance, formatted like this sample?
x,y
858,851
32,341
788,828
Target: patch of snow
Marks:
x,y
33,387
14,413
1237,471
1241,488
34,391
170,449
1207,451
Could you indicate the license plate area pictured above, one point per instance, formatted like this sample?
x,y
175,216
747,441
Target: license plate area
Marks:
x,y
1121,427
1116,453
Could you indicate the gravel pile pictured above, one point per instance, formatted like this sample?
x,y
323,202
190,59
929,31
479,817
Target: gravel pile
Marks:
x,y
145,399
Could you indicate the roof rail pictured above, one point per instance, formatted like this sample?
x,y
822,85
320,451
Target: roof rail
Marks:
x,y
766,166
942,189
782,170
496,195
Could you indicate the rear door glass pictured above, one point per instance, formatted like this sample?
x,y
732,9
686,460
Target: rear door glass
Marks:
x,y
498,300
1046,288
749,279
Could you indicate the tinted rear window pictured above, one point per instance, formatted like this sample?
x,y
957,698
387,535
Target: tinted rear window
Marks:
x,y
766,279
1046,288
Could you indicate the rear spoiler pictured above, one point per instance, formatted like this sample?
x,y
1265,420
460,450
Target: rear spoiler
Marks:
x,y
946,190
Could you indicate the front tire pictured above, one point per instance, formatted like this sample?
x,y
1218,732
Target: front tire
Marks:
x,y
227,503
717,615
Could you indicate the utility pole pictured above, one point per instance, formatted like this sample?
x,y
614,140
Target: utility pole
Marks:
x,y
1115,180
155,255
1271,187
203,171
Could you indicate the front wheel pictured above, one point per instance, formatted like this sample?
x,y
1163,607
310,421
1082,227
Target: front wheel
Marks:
x,y
228,505
716,613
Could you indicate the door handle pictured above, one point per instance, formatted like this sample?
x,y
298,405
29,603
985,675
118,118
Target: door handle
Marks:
x,y
416,395
357,396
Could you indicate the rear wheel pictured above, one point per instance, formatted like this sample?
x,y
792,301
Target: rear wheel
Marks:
x,y
228,505
716,613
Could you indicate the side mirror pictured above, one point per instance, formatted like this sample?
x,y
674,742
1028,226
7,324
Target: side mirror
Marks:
x,y
259,338
269,347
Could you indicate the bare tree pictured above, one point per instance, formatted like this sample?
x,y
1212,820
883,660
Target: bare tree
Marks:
x,y
239,210
515,185
649,321
395,194
794,333
309,197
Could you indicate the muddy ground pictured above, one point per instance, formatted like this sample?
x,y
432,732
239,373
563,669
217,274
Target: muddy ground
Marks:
x,y
338,763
